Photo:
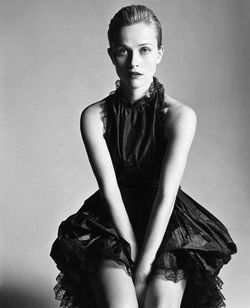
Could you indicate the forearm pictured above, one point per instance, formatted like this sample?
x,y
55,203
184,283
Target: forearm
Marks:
x,y
162,208
118,213
158,222
180,129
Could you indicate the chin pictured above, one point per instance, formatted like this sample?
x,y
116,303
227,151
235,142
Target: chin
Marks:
x,y
137,83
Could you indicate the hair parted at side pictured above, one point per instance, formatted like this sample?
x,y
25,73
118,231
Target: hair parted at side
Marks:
x,y
131,15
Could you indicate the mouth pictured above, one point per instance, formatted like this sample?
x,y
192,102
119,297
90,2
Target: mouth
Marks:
x,y
134,74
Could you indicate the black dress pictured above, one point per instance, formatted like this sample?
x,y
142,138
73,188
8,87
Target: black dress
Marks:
x,y
196,244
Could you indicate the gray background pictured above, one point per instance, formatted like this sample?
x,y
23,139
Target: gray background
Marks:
x,y
53,64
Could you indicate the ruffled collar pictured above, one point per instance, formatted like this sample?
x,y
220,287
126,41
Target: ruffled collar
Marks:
x,y
154,88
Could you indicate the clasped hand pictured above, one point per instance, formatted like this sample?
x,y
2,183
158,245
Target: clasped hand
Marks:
x,y
140,276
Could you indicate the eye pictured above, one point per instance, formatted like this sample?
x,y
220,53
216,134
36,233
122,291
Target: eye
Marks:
x,y
121,51
145,50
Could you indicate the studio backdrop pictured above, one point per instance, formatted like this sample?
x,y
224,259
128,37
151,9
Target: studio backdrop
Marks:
x,y
54,63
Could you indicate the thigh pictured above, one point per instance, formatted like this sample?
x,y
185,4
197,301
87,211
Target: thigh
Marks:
x,y
112,286
164,293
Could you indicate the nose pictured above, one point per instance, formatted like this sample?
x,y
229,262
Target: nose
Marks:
x,y
134,60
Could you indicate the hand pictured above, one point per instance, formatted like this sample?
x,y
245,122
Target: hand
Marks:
x,y
140,281
140,289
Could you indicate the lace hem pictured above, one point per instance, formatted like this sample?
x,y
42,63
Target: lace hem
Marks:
x,y
82,239
168,274
207,292
61,295
84,235
198,290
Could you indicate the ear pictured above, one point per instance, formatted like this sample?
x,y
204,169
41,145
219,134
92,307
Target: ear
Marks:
x,y
109,50
160,54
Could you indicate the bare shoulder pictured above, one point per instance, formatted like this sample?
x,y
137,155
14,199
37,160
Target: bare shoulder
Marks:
x,y
178,114
93,110
92,116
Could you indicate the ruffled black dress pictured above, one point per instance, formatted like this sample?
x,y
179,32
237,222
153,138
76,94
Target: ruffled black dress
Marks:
x,y
196,244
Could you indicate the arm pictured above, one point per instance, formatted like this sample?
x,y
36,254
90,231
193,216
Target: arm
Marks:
x,y
101,163
180,125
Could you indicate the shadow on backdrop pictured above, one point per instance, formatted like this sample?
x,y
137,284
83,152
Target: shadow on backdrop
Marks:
x,y
12,297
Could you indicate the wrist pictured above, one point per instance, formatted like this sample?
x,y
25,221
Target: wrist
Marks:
x,y
142,272
143,265
145,260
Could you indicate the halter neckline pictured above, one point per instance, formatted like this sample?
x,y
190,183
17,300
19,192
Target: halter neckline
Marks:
x,y
146,99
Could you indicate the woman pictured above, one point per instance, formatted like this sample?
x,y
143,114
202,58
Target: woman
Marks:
x,y
139,241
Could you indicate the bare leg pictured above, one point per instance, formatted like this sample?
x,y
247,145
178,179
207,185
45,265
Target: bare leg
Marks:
x,y
112,286
162,293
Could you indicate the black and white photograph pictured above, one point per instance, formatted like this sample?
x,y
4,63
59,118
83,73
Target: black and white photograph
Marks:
x,y
124,154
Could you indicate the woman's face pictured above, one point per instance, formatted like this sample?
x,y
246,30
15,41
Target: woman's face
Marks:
x,y
135,55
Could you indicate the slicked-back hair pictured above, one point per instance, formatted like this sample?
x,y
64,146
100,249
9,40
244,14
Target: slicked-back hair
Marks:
x,y
130,15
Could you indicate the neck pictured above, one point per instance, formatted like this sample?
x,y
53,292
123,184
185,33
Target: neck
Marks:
x,y
133,94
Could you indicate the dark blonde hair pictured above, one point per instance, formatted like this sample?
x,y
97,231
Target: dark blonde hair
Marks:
x,y
131,15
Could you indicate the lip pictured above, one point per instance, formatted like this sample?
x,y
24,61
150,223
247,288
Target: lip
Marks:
x,y
134,74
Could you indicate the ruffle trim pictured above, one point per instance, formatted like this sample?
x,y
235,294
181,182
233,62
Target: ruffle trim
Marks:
x,y
67,301
203,285
208,291
155,91
197,291
84,236
82,239
169,274
155,88
104,118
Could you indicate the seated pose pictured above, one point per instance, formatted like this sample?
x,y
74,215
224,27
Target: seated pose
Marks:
x,y
139,240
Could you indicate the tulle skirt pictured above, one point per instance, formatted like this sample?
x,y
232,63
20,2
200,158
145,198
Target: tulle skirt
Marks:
x,y
195,247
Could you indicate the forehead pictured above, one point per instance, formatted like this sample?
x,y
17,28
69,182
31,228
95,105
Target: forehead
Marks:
x,y
137,34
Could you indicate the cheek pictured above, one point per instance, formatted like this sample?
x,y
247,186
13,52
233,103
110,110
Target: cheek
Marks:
x,y
151,64
120,65
120,61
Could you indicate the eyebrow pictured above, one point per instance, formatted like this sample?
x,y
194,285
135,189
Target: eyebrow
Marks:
x,y
124,45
